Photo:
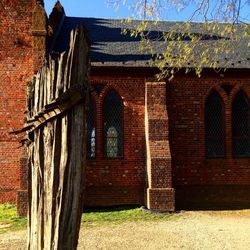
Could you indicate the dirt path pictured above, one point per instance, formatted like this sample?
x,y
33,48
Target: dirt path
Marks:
x,y
189,230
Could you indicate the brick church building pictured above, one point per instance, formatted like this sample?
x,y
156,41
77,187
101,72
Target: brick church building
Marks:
x,y
183,144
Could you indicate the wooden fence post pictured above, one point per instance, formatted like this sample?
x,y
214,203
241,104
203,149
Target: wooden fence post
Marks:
x,y
56,135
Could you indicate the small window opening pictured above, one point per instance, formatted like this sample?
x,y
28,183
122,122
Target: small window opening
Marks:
x,y
91,131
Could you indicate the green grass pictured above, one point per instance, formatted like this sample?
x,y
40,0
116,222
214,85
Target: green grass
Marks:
x,y
9,220
123,214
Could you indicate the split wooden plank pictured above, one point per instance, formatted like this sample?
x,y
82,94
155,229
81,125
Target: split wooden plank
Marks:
x,y
55,126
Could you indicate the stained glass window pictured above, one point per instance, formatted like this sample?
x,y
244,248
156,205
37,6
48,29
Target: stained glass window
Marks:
x,y
112,142
241,145
91,131
113,127
214,126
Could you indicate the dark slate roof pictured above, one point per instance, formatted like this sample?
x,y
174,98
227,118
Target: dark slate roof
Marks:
x,y
109,47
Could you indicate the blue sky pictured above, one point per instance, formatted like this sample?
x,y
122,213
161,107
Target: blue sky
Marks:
x,y
100,8
88,8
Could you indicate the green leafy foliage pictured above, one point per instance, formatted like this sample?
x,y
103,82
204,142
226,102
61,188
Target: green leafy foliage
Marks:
x,y
216,41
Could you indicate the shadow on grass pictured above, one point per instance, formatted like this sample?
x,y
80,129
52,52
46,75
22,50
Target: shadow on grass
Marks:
x,y
213,207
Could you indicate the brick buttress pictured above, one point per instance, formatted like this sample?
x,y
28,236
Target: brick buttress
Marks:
x,y
160,193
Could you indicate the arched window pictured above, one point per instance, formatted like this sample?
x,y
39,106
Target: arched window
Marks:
x,y
91,131
113,127
241,146
214,126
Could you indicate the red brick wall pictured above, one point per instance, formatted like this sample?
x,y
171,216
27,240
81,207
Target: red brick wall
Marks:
x,y
16,67
200,181
119,181
123,181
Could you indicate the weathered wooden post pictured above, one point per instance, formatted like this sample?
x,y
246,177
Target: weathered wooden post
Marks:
x,y
55,128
